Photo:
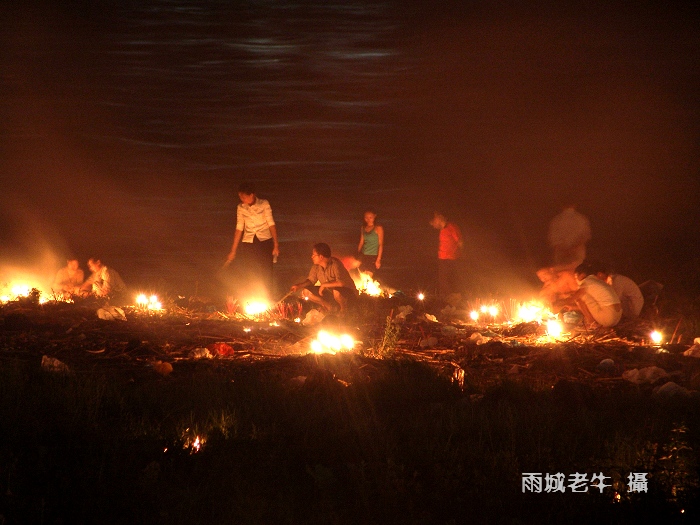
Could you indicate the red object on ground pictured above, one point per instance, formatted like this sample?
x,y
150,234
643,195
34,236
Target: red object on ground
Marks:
x,y
221,349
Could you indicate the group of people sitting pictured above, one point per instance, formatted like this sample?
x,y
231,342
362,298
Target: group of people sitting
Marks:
x,y
604,298
103,282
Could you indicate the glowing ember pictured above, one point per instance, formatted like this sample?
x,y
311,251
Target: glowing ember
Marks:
x,y
297,319
656,337
327,343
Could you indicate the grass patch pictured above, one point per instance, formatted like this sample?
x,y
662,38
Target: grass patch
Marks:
x,y
405,447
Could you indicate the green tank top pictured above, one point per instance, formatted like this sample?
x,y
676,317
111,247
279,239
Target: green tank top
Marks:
x,y
370,246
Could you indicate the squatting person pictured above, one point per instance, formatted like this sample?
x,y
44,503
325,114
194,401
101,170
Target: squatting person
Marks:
x,y
336,289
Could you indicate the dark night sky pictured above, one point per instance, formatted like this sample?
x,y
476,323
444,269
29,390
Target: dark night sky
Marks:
x,y
125,130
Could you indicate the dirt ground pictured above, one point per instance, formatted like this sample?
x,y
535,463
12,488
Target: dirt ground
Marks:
x,y
171,342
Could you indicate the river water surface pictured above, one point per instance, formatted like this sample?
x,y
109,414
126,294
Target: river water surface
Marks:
x,y
128,127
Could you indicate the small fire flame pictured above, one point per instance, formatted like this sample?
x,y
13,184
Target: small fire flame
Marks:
x,y
554,328
533,311
327,343
16,290
256,307
192,441
365,284
656,337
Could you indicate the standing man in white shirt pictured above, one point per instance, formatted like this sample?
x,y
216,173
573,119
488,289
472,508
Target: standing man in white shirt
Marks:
x,y
255,238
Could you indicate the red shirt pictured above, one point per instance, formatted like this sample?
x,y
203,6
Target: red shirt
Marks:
x,y
450,237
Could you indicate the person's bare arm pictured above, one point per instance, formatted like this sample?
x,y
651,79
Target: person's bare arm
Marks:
x,y
234,247
380,235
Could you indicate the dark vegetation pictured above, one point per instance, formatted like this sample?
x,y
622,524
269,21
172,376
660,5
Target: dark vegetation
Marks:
x,y
397,436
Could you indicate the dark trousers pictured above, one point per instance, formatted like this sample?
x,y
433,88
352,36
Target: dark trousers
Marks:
x,y
255,268
448,281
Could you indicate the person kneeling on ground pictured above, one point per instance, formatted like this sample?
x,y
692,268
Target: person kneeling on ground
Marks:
x,y
596,299
630,295
336,288
104,282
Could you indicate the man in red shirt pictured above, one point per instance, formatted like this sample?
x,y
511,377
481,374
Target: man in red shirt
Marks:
x,y
449,250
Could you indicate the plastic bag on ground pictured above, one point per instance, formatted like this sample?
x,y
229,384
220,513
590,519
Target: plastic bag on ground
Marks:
x,y
693,351
111,313
200,353
51,364
670,389
313,317
650,374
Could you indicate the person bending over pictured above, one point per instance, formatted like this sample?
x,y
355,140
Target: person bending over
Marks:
x,y
596,299
630,295
104,282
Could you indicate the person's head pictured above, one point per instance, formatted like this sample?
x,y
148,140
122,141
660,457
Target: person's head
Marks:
x,y
438,221
94,264
369,217
546,274
321,253
582,271
600,270
246,192
72,264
